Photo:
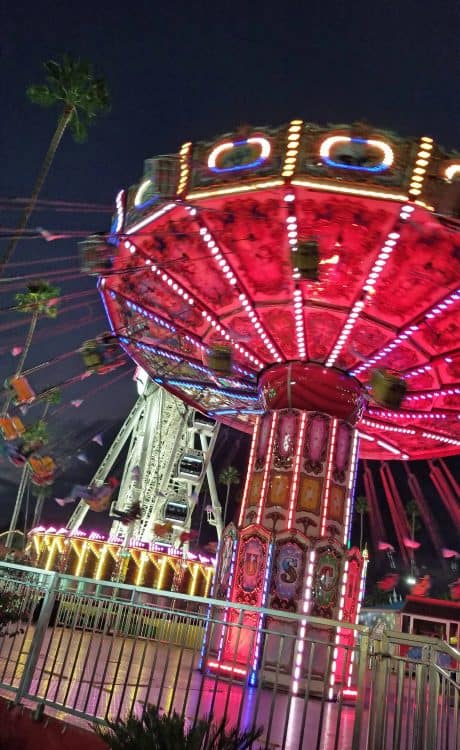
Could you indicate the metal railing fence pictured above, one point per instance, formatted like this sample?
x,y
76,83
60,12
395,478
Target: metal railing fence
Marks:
x,y
99,651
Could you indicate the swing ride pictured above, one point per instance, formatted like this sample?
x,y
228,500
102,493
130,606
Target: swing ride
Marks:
x,y
301,284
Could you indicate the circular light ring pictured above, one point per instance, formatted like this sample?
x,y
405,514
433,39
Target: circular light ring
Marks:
x,y
263,144
453,170
143,187
334,140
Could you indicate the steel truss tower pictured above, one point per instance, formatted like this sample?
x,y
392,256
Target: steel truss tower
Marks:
x,y
169,456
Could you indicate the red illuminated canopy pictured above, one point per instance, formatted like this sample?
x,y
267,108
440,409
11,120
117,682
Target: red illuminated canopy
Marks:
x,y
211,262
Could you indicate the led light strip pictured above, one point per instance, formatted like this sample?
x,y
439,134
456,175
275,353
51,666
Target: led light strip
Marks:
x,y
184,169
440,438
417,371
369,287
333,188
296,470
120,210
253,675
223,331
251,463
409,414
407,332
384,444
422,161
263,335
292,150
350,487
327,484
335,654
263,143
268,465
139,195
362,584
388,428
292,233
384,148
424,395
262,185
300,643
151,217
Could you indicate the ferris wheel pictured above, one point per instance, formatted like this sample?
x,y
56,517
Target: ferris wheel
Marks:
x,y
170,446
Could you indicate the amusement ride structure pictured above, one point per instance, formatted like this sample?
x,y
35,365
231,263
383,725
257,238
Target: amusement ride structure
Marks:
x,y
299,283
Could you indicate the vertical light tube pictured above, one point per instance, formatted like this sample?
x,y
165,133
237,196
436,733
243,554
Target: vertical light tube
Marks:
x,y
252,460
327,486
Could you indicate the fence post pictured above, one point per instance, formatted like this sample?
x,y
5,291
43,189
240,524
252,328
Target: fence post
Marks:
x,y
433,694
363,655
39,634
378,702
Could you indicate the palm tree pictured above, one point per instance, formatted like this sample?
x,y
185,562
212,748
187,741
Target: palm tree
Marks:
x,y
413,514
361,507
228,476
82,96
52,397
40,300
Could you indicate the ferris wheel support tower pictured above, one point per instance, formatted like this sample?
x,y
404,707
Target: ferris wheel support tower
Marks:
x,y
164,468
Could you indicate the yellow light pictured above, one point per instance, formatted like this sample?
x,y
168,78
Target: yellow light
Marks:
x,y
350,190
164,563
140,572
296,122
422,162
49,561
424,154
100,565
415,191
426,140
419,170
81,558
194,580
417,178
293,136
239,189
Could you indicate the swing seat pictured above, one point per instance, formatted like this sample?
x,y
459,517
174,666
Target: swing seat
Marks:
x,y
43,469
219,359
387,389
306,260
11,427
24,393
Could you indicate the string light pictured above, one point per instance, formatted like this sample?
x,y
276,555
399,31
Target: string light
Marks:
x,y
421,164
296,471
292,148
327,484
258,185
406,333
349,190
184,168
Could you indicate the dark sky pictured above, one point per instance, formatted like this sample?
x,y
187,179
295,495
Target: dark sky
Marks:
x,y
180,71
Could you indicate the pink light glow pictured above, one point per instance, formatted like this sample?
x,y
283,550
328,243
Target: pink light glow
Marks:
x,y
327,486
296,472
252,460
268,462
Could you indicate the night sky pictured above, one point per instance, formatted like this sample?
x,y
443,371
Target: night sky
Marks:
x,y
183,71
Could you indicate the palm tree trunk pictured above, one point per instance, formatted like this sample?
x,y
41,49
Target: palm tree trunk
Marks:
x,y
28,342
361,530
226,503
42,175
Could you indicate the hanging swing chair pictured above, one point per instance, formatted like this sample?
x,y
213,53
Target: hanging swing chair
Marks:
x,y
387,389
